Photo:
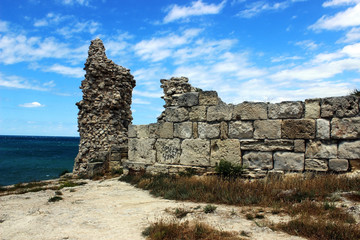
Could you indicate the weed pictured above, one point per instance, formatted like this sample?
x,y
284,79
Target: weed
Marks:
x,y
259,216
58,193
181,212
227,169
119,171
249,216
55,199
209,208
245,234
329,206
354,196
71,184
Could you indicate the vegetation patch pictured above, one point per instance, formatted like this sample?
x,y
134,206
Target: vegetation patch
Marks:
x,y
55,199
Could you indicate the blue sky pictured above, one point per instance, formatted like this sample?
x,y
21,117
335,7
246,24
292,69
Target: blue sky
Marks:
x,y
247,50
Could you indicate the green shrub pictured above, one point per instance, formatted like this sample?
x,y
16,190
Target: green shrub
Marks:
x,y
209,208
55,199
227,169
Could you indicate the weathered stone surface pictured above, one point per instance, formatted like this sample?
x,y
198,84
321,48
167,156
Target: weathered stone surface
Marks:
x,y
250,111
258,160
345,128
208,131
289,161
224,130
195,152
298,128
270,129
312,108
241,129
286,110
267,145
322,129
220,112
318,149
299,145
154,130
173,88
349,150
228,150
354,164
176,114
340,107
188,99
338,165
208,98
195,130
142,131
157,168
142,150
183,130
197,113
319,165
166,130
132,131
168,151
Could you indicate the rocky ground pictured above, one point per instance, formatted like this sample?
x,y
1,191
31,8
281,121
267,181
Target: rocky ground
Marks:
x,y
110,209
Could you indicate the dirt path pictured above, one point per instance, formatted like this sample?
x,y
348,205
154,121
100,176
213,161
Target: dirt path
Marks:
x,y
108,210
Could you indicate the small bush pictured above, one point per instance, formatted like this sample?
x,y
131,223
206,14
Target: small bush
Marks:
x,y
71,184
181,212
227,169
249,216
55,199
209,208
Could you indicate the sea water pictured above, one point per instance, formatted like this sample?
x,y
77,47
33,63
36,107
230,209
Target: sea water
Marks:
x,y
34,158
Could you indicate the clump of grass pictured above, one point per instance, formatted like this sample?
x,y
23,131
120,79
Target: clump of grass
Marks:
x,y
227,169
354,196
249,216
71,184
174,230
55,199
58,193
117,172
209,208
22,188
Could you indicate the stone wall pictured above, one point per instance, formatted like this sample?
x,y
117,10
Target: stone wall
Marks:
x,y
197,130
104,114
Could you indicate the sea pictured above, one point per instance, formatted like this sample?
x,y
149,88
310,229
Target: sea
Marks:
x,y
34,158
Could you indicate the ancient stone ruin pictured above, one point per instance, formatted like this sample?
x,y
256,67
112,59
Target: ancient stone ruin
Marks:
x,y
196,129
104,114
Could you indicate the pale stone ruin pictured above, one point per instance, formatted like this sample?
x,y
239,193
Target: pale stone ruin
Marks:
x,y
197,130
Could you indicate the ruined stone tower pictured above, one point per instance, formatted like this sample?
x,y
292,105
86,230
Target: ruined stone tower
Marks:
x,y
104,114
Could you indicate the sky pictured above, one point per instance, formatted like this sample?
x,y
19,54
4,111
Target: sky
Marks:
x,y
246,50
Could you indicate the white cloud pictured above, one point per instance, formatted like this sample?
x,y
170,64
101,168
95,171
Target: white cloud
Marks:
x,y
197,8
31,105
258,7
20,83
284,58
50,18
75,72
351,36
147,94
307,44
335,3
3,26
140,101
79,27
73,2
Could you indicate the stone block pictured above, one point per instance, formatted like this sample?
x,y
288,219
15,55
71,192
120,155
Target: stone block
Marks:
x,y
188,99
354,164
318,149
157,168
286,110
318,165
208,98
299,145
207,130
322,129
258,160
345,128
183,130
142,150
224,130
197,113
228,150
132,131
250,111
195,152
220,112
154,130
312,108
168,151
298,128
267,145
195,130
270,129
339,107
166,130
288,161
338,165
143,131
349,150
176,114
241,129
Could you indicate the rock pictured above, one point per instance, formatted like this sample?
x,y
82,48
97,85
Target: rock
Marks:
x,y
258,160
312,108
207,130
267,145
318,165
250,111
241,129
142,150
224,130
188,99
349,150
173,88
221,112
168,151
176,114
142,131
322,129
166,130
270,129
286,110
345,128
228,150
183,130
208,98
197,113
299,145
338,165
339,107
318,149
195,130
195,152
289,161
132,131
298,129
154,130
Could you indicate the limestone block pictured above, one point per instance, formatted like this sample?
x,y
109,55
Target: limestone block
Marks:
x,y
208,98
258,160
241,129
288,161
132,131
340,107
143,131
345,128
197,113
183,130
318,149
153,130
250,111
228,150
224,130
221,112
298,128
195,130
286,110
176,114
168,151
339,165
195,152
270,129
188,99
299,145
349,150
142,150
322,129
157,168
207,130
267,145
319,165
312,108
166,130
